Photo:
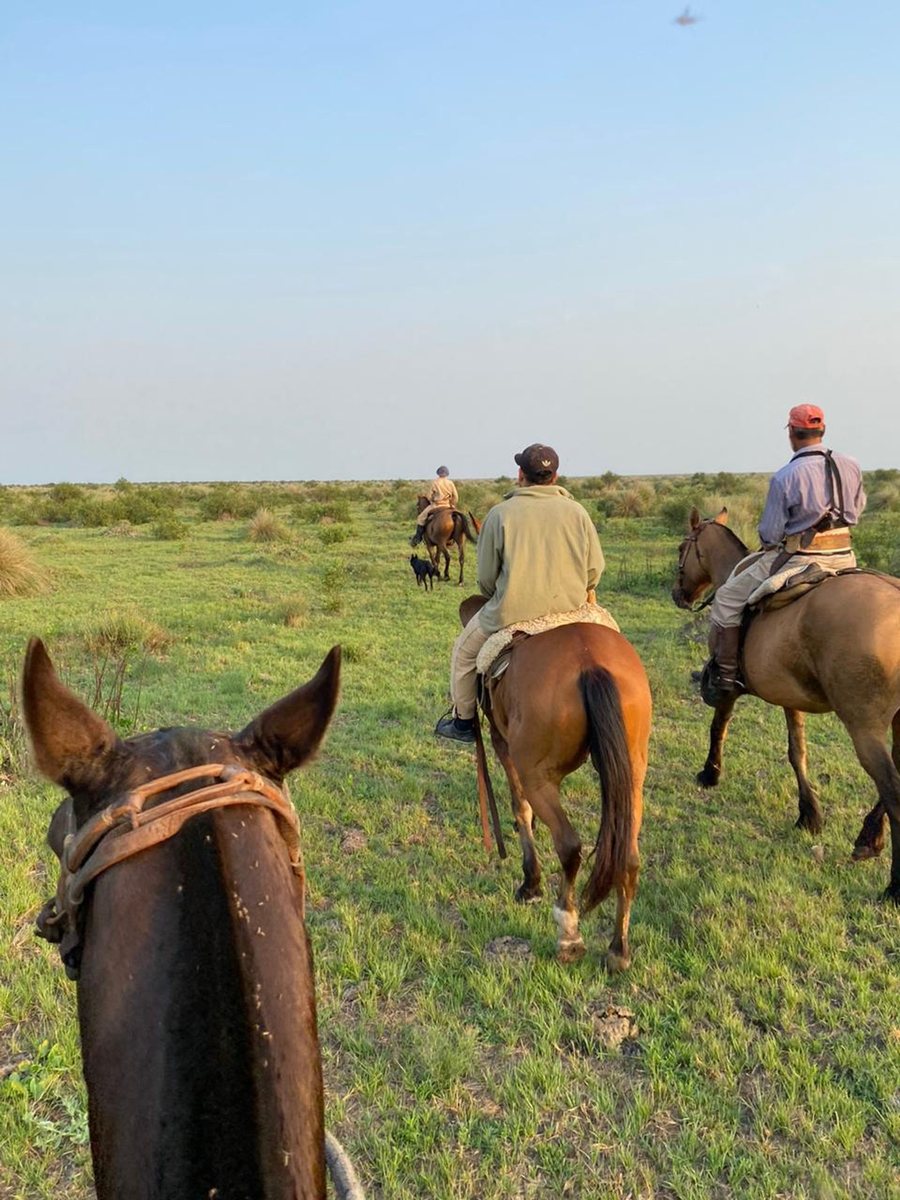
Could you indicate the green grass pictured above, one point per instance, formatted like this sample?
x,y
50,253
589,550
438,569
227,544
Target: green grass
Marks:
x,y
764,984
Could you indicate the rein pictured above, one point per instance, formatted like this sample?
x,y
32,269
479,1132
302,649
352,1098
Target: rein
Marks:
x,y
131,825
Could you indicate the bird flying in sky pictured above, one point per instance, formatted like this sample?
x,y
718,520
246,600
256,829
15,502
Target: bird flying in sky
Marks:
x,y
686,18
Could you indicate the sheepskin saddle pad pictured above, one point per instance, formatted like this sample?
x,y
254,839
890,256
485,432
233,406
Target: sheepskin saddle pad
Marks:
x,y
591,614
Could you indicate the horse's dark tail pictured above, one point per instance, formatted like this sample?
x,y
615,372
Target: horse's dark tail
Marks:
x,y
466,523
612,761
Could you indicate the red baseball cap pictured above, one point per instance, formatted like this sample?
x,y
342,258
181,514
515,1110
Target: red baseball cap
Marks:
x,y
806,416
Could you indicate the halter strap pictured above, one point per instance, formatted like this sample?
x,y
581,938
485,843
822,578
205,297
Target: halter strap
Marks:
x,y
131,825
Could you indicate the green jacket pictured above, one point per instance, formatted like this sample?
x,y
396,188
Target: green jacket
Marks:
x,y
538,553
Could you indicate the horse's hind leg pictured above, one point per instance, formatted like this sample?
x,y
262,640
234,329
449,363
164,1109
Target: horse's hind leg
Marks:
x,y
544,799
870,839
462,555
810,816
530,887
712,768
872,752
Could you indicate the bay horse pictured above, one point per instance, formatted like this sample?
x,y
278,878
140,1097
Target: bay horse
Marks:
x,y
570,692
196,999
836,649
447,527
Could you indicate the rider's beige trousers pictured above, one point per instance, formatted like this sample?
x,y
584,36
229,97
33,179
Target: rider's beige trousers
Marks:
x,y
463,689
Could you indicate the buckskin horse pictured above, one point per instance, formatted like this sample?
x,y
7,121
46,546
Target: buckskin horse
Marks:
x,y
835,649
196,999
567,693
448,527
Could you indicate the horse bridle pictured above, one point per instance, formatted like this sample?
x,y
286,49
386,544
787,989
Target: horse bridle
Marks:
x,y
130,825
691,540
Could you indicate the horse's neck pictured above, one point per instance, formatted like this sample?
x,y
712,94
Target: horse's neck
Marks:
x,y
198,1021
724,553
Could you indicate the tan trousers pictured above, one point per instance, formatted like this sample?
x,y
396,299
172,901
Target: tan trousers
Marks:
x,y
463,690
731,598
426,512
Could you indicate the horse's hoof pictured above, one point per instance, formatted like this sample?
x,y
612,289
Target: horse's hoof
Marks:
x,y
891,894
617,962
865,851
810,824
528,895
570,952
708,778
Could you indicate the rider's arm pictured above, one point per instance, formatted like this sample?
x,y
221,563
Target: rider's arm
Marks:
x,y
489,557
595,560
771,524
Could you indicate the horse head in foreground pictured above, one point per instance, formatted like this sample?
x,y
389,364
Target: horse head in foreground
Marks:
x,y
180,910
575,691
836,649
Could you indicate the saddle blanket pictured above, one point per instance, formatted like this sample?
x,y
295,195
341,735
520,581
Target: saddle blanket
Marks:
x,y
782,579
591,614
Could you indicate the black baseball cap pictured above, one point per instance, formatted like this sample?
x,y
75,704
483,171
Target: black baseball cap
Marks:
x,y
538,461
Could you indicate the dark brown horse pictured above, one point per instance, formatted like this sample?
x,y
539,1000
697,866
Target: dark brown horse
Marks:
x,y
447,527
570,692
836,649
196,998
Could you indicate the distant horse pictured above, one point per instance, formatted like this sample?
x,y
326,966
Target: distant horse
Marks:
x,y
569,692
196,998
447,527
836,649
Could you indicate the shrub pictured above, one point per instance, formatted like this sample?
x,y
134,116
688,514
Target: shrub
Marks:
x,y
266,527
126,632
333,582
225,501
170,529
20,575
292,612
331,535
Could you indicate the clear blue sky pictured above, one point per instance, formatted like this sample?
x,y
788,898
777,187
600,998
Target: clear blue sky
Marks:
x,y
353,240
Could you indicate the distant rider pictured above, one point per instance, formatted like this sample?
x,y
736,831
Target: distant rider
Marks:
x,y
538,553
812,503
442,494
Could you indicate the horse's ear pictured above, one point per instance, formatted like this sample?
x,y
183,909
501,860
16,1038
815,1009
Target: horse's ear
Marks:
x,y
69,742
289,732
722,517
695,517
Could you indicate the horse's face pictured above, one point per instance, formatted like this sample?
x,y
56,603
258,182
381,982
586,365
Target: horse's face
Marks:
x,y
693,575
77,749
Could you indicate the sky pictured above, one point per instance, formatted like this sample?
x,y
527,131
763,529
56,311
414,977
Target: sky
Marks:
x,y
354,240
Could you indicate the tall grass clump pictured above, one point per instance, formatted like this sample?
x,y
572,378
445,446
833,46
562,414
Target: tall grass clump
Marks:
x,y
20,575
115,646
293,612
266,527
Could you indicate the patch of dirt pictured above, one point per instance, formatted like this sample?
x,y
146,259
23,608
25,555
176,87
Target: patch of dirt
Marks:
x,y
612,1025
353,841
508,947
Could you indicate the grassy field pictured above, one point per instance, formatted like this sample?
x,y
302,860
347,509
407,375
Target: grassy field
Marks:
x,y
765,1056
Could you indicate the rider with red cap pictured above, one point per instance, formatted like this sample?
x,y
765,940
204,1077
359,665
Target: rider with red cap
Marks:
x,y
812,503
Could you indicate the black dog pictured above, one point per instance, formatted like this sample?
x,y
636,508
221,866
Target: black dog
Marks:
x,y
424,571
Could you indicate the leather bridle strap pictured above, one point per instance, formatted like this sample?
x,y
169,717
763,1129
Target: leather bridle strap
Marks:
x,y
692,540
130,826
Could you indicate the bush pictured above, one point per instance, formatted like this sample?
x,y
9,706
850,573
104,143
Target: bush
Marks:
x,y
292,612
227,501
331,535
266,527
170,529
20,575
122,633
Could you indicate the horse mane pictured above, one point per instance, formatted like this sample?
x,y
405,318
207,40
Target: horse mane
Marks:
x,y
731,534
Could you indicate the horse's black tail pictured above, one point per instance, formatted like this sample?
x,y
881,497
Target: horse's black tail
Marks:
x,y
612,761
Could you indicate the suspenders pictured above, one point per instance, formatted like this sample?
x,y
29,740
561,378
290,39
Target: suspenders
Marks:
x,y
835,485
